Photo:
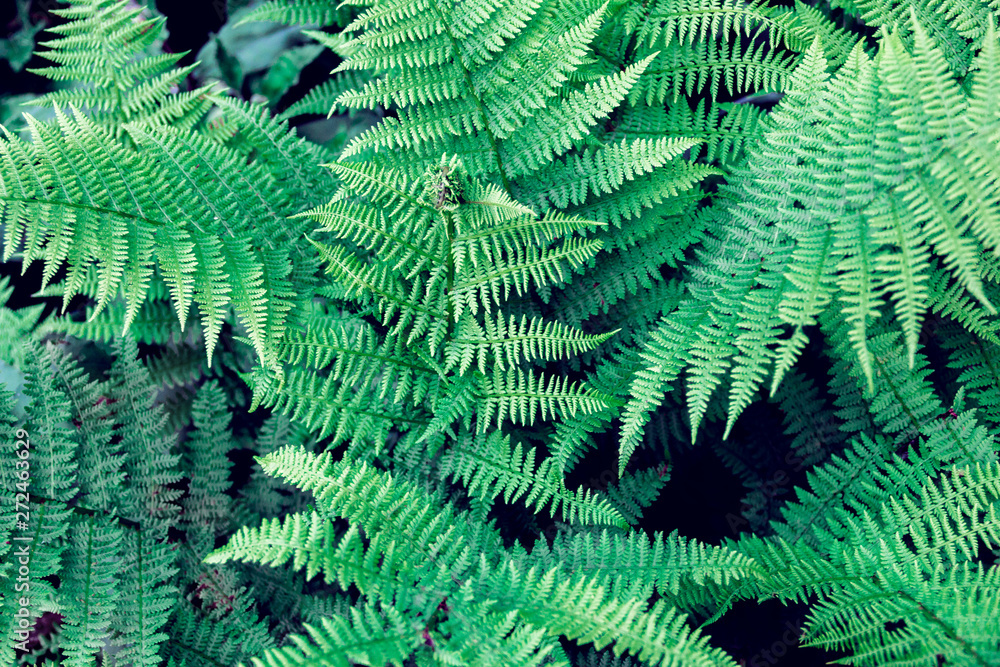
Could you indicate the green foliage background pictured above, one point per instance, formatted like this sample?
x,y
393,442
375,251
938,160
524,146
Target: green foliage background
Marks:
x,y
530,240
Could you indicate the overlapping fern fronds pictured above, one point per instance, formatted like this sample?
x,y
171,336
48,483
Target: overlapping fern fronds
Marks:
x,y
870,225
468,603
569,220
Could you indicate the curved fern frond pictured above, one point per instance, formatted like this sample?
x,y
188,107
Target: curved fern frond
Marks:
x,y
108,48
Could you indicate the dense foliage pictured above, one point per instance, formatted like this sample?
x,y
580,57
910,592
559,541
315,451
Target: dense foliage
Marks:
x,y
538,238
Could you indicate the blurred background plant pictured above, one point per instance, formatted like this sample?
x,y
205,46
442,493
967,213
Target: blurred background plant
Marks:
x,y
260,60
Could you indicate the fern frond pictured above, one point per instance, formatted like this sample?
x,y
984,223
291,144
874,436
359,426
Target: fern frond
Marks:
x,y
503,342
146,597
524,397
582,610
376,635
107,48
878,572
490,467
90,576
298,12
543,138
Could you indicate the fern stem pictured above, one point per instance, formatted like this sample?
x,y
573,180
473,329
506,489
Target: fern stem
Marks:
x,y
475,97
948,630
88,512
449,233
96,209
886,374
